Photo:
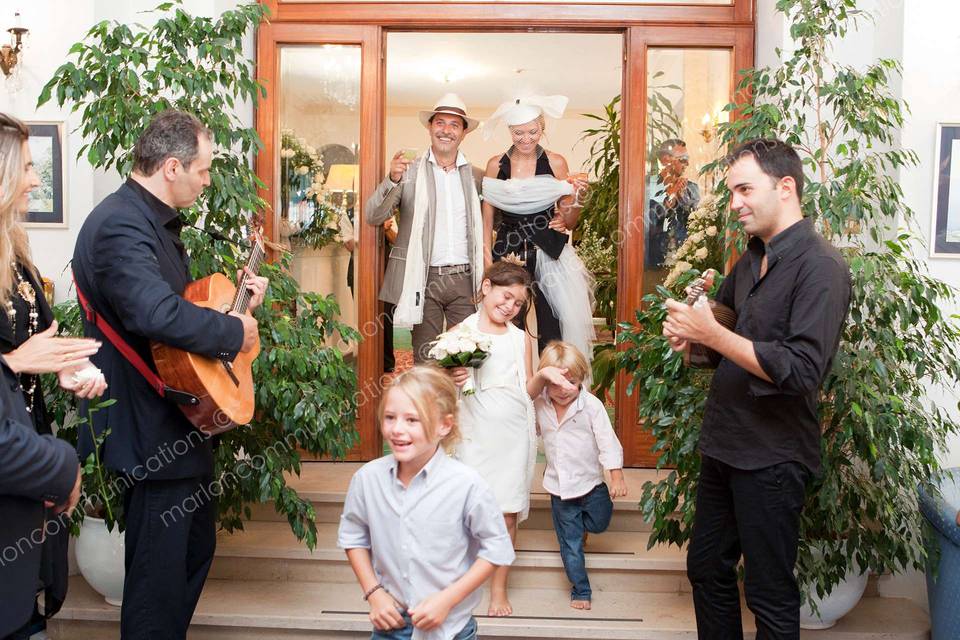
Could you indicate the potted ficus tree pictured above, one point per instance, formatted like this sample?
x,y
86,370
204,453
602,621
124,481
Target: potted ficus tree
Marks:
x,y
880,432
304,389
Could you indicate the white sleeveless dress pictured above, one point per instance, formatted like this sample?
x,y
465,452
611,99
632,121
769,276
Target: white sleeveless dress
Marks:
x,y
497,422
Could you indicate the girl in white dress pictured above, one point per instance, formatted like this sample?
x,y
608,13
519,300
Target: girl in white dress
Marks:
x,y
497,420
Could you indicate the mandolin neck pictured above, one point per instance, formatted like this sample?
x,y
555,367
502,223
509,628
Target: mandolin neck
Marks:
x,y
241,301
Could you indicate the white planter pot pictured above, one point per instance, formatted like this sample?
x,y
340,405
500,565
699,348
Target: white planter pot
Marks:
x,y
100,556
836,604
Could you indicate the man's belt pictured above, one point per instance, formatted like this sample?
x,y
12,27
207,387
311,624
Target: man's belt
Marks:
x,y
450,270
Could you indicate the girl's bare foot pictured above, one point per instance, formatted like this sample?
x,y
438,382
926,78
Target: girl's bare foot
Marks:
x,y
499,606
580,604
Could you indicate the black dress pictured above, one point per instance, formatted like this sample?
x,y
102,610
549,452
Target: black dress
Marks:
x,y
524,235
53,565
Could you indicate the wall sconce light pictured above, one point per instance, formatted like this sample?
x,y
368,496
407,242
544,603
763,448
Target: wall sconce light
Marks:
x,y
708,128
10,53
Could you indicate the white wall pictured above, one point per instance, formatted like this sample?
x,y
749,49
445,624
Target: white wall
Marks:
x,y
931,86
54,26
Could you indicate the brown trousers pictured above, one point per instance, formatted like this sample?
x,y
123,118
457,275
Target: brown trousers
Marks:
x,y
448,299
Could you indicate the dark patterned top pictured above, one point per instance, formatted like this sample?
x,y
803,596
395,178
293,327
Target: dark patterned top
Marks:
x,y
13,337
516,233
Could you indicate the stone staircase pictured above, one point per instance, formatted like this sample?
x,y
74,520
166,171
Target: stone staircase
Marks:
x,y
265,584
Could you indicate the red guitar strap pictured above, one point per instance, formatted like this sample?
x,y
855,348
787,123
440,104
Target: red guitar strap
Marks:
x,y
128,352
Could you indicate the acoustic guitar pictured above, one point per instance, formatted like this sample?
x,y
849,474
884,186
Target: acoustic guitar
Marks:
x,y
224,389
698,355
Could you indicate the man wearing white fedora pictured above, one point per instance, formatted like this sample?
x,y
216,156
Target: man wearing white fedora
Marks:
x,y
432,280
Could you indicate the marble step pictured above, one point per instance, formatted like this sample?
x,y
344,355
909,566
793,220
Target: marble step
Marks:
x,y
325,485
249,609
616,560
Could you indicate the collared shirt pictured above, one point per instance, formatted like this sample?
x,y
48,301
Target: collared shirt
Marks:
x,y
450,233
166,215
578,447
794,316
425,536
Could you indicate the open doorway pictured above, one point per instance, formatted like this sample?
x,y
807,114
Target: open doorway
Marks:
x,y
486,69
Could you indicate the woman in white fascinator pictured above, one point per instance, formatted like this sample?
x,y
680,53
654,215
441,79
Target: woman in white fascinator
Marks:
x,y
537,201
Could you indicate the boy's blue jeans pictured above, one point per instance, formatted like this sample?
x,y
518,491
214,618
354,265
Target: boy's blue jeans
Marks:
x,y
469,632
571,519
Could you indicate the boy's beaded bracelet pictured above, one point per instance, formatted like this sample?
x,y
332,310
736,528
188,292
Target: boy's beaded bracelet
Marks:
x,y
369,593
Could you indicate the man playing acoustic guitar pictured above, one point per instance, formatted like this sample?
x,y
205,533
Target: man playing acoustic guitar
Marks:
x,y
760,439
131,267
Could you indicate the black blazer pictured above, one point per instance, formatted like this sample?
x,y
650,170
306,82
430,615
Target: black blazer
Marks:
x,y
133,274
54,569
33,468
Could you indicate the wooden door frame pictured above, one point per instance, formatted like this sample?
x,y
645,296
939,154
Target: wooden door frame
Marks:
x,y
485,15
643,26
637,443
270,37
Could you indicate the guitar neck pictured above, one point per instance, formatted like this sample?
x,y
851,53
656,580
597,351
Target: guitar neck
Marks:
x,y
695,291
242,298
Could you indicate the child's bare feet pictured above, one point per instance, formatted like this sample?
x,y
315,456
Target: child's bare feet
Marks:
x,y
499,606
580,604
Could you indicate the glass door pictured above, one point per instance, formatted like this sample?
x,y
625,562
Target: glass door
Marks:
x,y
680,79
319,162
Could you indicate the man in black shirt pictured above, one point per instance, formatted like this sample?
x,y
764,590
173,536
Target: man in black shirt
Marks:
x,y
131,266
760,439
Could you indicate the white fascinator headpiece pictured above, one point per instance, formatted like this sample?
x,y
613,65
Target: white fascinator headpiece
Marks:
x,y
522,110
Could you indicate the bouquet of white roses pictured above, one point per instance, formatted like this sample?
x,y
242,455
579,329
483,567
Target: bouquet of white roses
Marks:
x,y
462,346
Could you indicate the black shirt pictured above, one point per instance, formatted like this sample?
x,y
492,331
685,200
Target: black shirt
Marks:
x,y
794,315
516,233
166,215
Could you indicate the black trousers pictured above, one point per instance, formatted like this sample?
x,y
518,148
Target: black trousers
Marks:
x,y
170,540
389,359
35,624
755,514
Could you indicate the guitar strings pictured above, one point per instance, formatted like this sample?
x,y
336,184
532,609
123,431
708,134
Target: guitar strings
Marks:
x,y
242,299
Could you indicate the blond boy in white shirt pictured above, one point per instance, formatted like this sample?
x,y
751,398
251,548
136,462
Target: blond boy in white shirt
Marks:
x,y
579,443
422,531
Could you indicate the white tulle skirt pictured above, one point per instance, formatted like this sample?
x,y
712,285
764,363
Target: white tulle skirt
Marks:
x,y
568,287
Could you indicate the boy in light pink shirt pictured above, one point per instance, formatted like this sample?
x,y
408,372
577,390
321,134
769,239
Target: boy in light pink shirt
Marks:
x,y
579,443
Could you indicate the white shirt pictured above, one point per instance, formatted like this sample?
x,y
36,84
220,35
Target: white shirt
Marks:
x,y
579,447
450,233
425,536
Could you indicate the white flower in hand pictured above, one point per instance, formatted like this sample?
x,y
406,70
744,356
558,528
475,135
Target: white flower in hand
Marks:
x,y
466,345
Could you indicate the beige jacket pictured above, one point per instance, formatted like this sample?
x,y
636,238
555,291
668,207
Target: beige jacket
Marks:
x,y
381,204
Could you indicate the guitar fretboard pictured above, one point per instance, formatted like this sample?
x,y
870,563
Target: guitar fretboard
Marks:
x,y
242,298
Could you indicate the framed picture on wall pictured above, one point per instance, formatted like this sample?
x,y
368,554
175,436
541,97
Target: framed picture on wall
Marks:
x,y
945,226
48,202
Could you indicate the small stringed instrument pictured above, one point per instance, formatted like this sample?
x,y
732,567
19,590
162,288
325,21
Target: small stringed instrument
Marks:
x,y
224,389
699,355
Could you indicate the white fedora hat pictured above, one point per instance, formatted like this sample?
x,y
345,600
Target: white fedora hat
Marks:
x,y
452,104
